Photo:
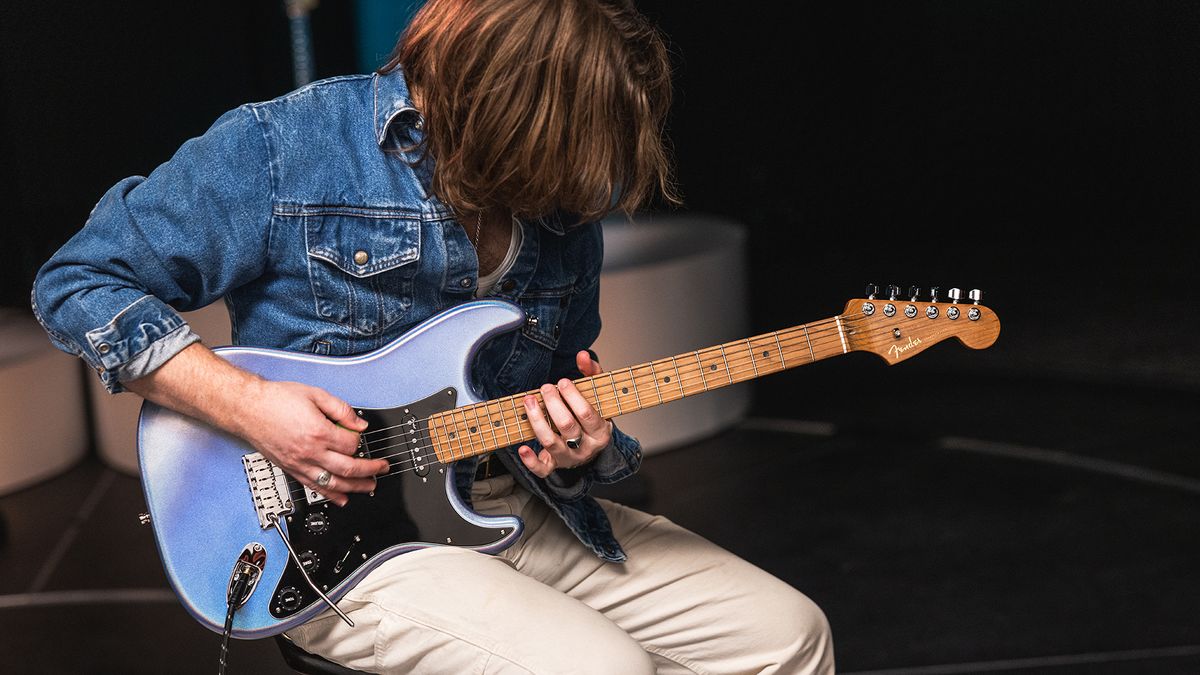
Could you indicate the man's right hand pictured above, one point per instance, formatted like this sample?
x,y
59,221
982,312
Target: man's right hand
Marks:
x,y
306,430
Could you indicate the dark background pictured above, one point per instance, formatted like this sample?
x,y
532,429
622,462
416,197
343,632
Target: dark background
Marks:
x,y
1042,151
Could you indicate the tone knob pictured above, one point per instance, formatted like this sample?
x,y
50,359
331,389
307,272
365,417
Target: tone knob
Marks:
x,y
288,598
955,295
975,295
309,561
316,522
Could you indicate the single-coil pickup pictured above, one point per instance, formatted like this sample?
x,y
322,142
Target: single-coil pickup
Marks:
x,y
417,452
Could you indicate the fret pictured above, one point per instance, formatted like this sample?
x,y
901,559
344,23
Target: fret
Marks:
x,y
465,432
479,428
654,374
750,348
616,394
453,435
633,382
762,352
444,434
678,377
435,436
782,358
807,338
492,424
728,372
520,416
595,396
505,414
700,364
841,334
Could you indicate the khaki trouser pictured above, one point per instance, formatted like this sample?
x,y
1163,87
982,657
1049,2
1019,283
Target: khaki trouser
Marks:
x,y
547,605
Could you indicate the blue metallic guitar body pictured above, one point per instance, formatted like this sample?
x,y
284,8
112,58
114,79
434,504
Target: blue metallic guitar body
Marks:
x,y
198,483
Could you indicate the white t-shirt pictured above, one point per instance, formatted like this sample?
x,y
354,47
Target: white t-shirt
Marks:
x,y
487,281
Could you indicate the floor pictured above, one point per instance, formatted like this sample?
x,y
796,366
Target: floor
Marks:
x,y
946,524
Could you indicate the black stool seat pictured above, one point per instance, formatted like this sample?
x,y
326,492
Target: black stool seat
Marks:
x,y
309,664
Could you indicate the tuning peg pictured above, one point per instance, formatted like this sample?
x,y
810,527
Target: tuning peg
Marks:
x,y
955,295
872,291
893,291
933,294
975,295
913,292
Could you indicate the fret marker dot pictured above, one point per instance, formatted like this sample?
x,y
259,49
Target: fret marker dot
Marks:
x,y
524,416
496,423
451,434
667,378
713,367
765,354
624,390
472,429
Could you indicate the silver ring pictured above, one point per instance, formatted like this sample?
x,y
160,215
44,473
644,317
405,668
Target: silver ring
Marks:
x,y
323,478
573,443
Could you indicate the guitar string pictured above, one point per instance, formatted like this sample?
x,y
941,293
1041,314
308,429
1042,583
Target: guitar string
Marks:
x,y
416,464
407,464
819,333
601,395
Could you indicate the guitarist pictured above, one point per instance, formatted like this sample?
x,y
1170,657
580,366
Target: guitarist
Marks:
x,y
477,162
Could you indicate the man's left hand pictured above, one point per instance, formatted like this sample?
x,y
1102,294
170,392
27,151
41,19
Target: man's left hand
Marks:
x,y
575,419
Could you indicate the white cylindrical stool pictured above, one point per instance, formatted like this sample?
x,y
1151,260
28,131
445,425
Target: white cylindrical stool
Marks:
x,y
115,417
43,418
671,285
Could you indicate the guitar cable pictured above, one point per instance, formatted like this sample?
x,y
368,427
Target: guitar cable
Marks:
x,y
237,592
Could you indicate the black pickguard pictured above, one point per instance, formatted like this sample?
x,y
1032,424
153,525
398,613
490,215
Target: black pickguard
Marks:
x,y
408,507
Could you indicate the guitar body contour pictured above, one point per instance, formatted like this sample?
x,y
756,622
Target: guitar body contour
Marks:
x,y
202,509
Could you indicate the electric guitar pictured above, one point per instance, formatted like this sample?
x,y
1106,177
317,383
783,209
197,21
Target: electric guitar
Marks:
x,y
218,508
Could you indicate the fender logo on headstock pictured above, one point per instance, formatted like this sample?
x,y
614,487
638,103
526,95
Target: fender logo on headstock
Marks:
x,y
896,350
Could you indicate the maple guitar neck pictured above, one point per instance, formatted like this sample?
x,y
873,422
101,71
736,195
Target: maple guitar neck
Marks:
x,y
892,329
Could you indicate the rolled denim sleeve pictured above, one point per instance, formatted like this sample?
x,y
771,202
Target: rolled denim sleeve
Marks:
x,y
623,456
176,240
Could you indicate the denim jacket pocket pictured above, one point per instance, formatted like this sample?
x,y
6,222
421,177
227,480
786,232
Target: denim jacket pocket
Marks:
x,y
361,266
544,312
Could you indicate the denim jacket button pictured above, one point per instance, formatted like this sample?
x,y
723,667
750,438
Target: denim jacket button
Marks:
x,y
361,257
103,348
465,282
508,285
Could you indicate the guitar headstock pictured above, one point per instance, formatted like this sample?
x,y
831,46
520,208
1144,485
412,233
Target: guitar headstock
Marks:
x,y
897,327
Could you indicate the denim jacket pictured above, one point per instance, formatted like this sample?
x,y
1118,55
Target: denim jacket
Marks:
x,y
321,234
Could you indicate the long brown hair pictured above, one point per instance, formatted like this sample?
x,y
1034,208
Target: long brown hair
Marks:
x,y
541,105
